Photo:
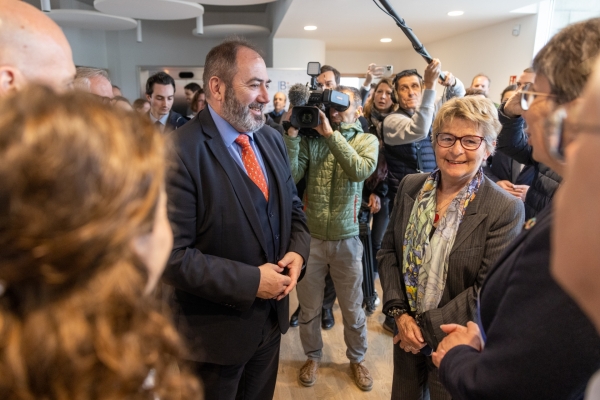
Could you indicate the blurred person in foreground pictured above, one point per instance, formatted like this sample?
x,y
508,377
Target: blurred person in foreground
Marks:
x,y
447,229
32,49
575,264
531,340
122,103
84,238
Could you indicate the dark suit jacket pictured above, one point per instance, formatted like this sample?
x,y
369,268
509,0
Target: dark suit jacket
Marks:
x,y
174,121
218,241
490,223
539,344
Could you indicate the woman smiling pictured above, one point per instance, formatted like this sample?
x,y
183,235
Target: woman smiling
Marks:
x,y
446,230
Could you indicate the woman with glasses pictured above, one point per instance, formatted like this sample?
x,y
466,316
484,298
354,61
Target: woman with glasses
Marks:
x,y
447,228
529,339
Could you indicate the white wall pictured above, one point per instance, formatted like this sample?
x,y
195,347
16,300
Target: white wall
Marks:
x,y
165,43
297,53
492,50
356,62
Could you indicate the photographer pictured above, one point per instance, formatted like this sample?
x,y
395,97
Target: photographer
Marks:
x,y
337,163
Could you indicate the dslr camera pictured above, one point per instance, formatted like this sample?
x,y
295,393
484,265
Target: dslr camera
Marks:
x,y
306,117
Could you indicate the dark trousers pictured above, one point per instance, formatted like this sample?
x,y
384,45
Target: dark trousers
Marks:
x,y
328,293
380,223
252,380
416,378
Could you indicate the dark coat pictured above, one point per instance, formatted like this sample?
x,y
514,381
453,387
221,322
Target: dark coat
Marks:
x,y
490,223
539,343
218,242
175,121
512,141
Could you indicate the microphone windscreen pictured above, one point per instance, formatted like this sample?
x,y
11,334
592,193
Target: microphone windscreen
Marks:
x,y
298,94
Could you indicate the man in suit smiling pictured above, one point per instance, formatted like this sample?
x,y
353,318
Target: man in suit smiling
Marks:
x,y
240,235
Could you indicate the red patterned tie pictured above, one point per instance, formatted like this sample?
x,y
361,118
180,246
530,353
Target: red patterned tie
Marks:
x,y
251,163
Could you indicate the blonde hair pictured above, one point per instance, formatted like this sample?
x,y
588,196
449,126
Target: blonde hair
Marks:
x,y
80,179
479,110
368,108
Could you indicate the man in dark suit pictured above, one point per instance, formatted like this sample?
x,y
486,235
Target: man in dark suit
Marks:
x,y
240,235
160,92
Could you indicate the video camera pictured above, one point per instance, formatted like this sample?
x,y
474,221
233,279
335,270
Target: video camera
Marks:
x,y
306,117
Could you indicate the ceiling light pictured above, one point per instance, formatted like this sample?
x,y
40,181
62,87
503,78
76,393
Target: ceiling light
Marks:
x,y
385,40
310,28
455,13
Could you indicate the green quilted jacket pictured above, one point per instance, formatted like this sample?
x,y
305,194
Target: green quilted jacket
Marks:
x,y
337,167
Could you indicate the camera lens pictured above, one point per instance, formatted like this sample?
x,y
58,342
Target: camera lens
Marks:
x,y
306,118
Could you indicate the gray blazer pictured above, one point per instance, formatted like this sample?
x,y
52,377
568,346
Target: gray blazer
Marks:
x,y
490,223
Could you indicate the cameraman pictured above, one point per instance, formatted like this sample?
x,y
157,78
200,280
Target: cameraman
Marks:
x,y
337,163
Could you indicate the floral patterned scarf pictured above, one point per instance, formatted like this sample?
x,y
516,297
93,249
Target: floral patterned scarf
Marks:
x,y
425,261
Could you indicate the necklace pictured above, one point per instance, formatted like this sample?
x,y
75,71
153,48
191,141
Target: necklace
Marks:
x,y
437,216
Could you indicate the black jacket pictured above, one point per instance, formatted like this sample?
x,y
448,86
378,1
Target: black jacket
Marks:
x,y
512,141
406,159
539,344
218,241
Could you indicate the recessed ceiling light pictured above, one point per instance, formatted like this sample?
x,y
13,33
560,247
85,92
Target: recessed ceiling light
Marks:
x,y
455,13
385,40
310,28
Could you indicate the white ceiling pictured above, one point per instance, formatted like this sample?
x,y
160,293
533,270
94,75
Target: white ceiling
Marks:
x,y
359,24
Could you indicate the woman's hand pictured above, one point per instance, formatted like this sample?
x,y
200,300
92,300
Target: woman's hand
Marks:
x,y
457,335
374,203
409,334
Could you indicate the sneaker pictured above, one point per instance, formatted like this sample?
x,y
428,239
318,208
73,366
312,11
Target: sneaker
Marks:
x,y
377,299
361,376
308,372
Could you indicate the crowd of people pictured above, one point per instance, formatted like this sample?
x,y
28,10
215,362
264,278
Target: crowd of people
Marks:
x,y
148,254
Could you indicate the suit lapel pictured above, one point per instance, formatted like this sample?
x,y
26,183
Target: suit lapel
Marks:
x,y
268,153
233,172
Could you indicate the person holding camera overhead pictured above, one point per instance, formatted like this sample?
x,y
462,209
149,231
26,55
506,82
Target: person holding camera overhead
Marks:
x,y
337,162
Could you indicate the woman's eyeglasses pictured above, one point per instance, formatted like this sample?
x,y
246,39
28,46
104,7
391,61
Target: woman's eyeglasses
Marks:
x,y
467,142
527,96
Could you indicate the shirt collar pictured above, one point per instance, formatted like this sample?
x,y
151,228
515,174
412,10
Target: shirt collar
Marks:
x,y
228,132
163,119
278,113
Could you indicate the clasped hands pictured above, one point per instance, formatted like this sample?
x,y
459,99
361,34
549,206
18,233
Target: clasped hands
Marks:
x,y
457,335
273,284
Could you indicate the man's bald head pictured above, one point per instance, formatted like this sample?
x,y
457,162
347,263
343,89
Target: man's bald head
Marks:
x,y
32,49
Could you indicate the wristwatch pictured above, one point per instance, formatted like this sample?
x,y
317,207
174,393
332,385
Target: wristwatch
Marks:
x,y
396,312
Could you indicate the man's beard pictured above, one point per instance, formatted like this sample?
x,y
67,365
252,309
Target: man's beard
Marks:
x,y
239,115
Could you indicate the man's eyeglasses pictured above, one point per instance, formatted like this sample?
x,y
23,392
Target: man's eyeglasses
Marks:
x,y
469,142
527,96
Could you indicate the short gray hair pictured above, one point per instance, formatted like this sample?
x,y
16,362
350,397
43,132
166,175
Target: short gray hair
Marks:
x,y
567,59
84,74
476,109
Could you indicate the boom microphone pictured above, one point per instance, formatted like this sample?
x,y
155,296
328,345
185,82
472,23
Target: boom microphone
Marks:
x,y
298,95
